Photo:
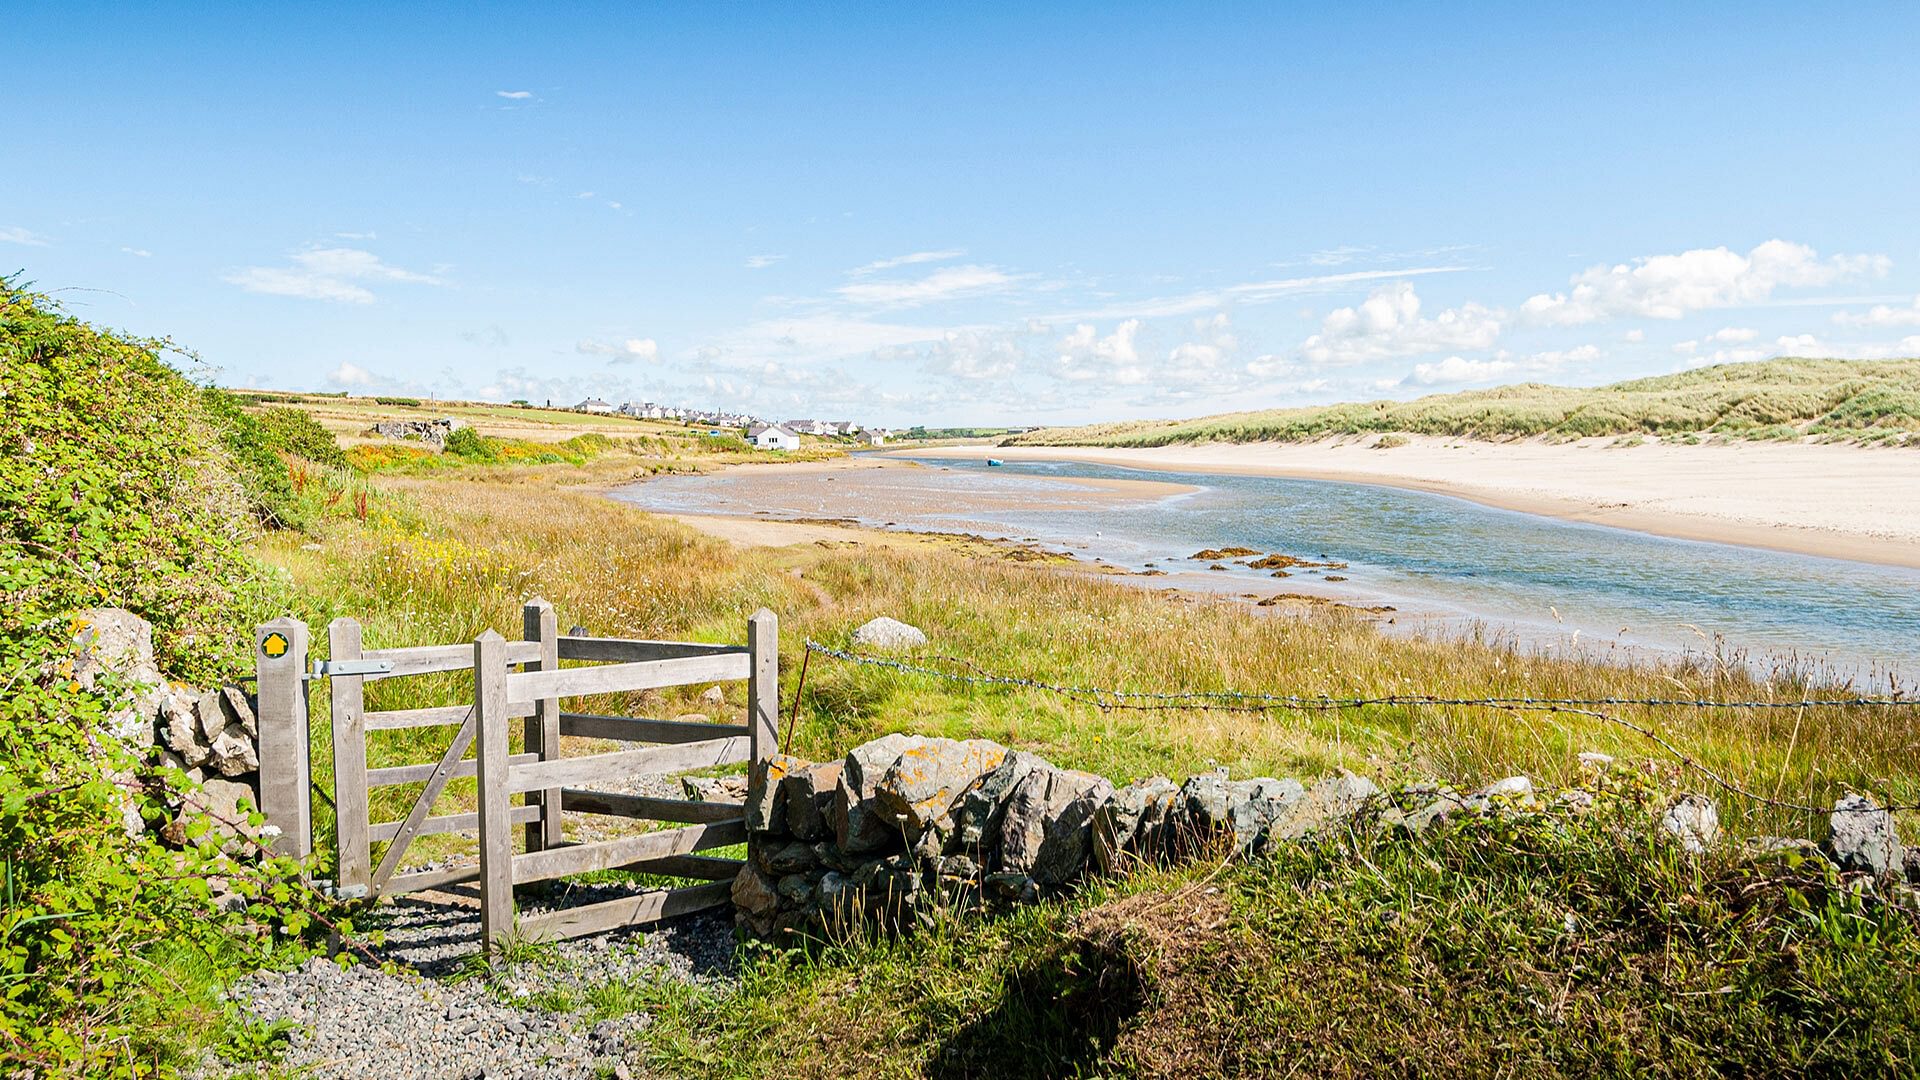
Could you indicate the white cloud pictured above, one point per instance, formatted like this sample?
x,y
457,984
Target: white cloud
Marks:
x,y
1115,358
22,236
906,260
138,253
1671,286
1635,336
1734,335
817,338
623,352
1388,324
351,374
953,283
1251,292
326,274
1882,315
761,262
1213,341
514,95
971,354
1456,369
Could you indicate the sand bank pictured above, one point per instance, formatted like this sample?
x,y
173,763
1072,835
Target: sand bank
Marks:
x,y
1844,502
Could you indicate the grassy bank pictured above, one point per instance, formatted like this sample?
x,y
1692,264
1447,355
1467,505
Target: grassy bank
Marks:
x,y
1544,949
1873,402
442,557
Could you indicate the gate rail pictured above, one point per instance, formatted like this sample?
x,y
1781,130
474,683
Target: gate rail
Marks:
x,y
518,681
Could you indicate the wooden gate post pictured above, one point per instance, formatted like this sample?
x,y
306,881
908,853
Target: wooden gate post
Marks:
x,y
763,688
280,669
353,871
542,733
496,817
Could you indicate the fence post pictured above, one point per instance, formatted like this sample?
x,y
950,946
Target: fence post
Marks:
x,y
496,818
542,735
353,871
763,689
280,668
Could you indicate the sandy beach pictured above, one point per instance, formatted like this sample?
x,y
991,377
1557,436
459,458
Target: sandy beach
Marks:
x,y
1844,502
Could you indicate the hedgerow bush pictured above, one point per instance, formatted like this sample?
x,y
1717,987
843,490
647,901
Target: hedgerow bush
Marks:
x,y
116,489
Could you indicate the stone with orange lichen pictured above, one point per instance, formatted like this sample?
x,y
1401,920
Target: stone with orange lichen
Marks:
x,y
921,788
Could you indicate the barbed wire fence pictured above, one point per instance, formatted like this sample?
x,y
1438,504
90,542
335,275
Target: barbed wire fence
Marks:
x,y
1242,701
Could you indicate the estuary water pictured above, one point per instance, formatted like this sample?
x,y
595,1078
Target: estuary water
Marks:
x,y
1445,564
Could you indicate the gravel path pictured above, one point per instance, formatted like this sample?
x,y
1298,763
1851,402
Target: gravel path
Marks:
x,y
422,1023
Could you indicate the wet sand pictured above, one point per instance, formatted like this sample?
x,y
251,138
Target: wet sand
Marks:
x,y
1843,502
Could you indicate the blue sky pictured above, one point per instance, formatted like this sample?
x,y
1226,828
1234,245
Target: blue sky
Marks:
x,y
968,214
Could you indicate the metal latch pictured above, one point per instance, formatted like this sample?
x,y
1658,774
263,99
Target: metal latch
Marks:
x,y
324,668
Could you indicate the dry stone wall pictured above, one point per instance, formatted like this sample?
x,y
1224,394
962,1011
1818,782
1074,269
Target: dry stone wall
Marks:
x,y
906,826
212,736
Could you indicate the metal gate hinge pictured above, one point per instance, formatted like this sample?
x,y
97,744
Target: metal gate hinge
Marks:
x,y
324,668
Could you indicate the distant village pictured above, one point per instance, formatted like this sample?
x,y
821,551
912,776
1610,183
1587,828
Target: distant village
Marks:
x,y
763,434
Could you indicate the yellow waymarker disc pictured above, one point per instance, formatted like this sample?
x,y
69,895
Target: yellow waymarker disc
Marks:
x,y
274,644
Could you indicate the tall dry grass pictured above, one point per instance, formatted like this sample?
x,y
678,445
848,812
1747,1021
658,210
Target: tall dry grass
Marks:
x,y
460,556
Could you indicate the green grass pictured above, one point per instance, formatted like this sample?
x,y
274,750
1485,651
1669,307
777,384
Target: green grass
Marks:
x,y
1854,400
1549,946
1446,956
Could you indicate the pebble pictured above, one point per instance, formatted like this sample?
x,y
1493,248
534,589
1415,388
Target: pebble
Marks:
x,y
420,1020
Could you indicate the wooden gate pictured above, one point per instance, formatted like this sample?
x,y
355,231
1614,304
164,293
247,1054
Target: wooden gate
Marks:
x,y
524,681
349,668
502,695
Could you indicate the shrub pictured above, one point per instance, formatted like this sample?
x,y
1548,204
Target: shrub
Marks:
x,y
409,402
118,486
470,444
297,433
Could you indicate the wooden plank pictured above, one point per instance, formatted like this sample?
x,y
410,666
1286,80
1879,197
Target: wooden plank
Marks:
x,y
618,678
354,863
285,768
643,806
429,659
423,805
627,650
698,867
620,764
540,626
584,858
763,688
386,830
422,880
634,729
496,832
637,910
390,775
438,716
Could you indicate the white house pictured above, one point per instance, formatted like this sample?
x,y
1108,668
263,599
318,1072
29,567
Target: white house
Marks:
x,y
773,437
872,436
593,405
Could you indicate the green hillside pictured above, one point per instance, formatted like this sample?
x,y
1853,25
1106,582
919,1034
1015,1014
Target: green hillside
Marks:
x,y
1865,401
